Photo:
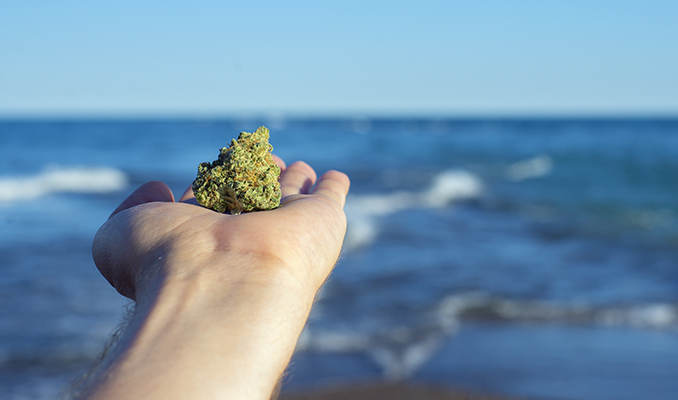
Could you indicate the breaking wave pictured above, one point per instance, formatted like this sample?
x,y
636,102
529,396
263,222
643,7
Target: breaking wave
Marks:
x,y
61,180
447,187
399,350
662,316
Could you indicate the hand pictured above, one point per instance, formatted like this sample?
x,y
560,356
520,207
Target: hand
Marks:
x,y
303,236
220,299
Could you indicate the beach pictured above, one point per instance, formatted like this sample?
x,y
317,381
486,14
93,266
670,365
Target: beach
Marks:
x,y
390,391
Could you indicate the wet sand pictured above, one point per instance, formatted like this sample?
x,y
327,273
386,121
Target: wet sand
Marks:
x,y
381,391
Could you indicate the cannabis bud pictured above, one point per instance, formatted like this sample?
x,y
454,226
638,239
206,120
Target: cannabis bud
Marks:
x,y
244,178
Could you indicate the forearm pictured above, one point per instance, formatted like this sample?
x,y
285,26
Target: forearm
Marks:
x,y
221,299
208,335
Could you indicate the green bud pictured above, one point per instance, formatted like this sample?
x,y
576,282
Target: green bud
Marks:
x,y
244,178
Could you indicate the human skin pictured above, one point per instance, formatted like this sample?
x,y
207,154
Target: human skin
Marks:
x,y
220,299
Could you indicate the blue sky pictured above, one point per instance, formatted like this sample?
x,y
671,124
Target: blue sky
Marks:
x,y
421,57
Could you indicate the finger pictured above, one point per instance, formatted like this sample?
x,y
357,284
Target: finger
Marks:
x,y
146,193
298,178
188,194
279,161
333,185
189,197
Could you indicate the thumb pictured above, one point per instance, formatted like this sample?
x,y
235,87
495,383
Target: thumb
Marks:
x,y
146,193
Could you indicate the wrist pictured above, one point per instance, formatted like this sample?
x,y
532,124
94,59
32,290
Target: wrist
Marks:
x,y
214,277
188,319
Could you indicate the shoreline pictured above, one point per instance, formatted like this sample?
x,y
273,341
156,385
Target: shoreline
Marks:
x,y
391,391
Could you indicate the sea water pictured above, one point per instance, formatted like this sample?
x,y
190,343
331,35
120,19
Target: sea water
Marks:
x,y
534,258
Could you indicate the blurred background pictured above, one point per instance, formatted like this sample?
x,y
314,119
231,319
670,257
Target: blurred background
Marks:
x,y
513,211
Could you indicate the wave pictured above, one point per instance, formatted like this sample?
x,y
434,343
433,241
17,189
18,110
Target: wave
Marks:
x,y
531,168
400,349
447,187
470,306
398,352
62,180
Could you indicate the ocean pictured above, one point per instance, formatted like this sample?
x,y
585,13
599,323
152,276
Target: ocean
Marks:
x,y
534,258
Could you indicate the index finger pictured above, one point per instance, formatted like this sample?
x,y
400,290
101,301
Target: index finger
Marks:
x,y
333,185
146,193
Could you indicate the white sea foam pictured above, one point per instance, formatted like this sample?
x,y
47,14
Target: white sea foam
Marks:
x,y
333,341
451,185
468,305
655,316
402,349
446,187
530,168
60,180
397,364
398,351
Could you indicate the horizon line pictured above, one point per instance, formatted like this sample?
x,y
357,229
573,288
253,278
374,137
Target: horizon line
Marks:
x,y
244,115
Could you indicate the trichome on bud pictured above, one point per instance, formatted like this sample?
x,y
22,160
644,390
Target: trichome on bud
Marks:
x,y
243,178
